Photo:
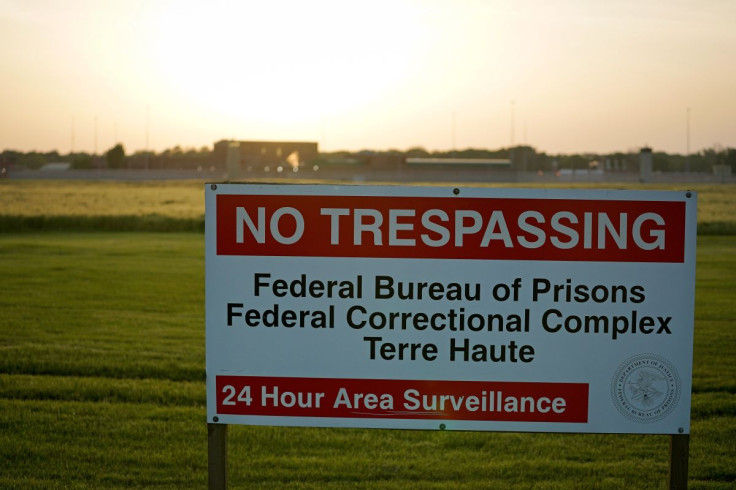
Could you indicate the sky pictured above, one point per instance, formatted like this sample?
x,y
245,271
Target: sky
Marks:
x,y
564,76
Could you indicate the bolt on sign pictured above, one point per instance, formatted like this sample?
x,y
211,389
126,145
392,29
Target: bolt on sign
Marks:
x,y
462,309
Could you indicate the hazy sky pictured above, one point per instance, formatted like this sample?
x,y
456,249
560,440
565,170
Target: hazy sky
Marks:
x,y
563,76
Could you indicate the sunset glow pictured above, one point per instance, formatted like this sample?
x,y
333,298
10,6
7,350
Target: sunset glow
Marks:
x,y
569,76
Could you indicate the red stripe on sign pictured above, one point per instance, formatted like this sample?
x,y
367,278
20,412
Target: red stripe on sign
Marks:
x,y
402,399
451,228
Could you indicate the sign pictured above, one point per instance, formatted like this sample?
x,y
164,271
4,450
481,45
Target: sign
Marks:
x,y
440,308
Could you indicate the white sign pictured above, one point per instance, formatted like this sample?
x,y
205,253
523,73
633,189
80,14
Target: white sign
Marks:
x,y
441,308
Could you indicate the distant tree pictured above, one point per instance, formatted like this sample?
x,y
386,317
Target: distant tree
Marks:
x,y
115,156
710,157
417,152
730,159
540,161
81,161
661,162
471,153
675,162
32,160
10,156
53,156
574,162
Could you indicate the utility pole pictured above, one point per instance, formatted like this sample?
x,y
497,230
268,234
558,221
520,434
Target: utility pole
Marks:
x,y
453,131
513,123
687,140
71,149
524,141
148,156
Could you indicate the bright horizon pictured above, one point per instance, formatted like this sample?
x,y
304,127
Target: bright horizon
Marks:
x,y
571,76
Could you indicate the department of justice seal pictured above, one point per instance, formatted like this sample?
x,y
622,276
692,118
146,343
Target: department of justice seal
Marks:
x,y
645,388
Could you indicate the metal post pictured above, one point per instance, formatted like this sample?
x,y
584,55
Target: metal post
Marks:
x,y
679,452
217,456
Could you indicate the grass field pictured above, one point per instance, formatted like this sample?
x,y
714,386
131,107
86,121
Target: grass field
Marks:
x,y
102,384
179,205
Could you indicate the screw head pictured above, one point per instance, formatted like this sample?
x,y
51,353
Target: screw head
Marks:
x,y
456,191
213,187
215,418
442,426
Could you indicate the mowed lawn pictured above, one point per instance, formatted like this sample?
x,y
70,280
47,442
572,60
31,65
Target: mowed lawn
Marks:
x,y
102,386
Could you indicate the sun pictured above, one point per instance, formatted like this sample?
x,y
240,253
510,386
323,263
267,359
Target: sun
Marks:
x,y
283,62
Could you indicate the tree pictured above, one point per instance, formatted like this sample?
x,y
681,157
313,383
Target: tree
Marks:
x,y
417,151
32,160
81,161
115,156
730,159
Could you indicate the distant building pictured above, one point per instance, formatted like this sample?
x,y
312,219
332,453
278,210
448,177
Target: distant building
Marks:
x,y
55,167
645,164
262,155
460,162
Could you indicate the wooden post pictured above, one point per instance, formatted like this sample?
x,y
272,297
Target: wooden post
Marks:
x,y
217,456
679,453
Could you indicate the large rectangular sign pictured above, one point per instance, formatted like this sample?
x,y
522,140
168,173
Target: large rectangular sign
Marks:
x,y
445,308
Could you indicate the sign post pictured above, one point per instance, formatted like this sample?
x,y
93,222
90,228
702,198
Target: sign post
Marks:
x,y
679,453
217,456
443,308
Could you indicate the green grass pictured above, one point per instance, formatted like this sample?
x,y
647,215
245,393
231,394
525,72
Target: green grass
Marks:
x,y
115,305
177,199
102,386
32,205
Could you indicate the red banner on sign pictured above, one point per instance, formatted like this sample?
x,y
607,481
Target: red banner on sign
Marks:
x,y
451,228
402,399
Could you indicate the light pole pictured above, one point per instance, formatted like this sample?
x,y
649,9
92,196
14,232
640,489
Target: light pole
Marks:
x,y
687,140
513,123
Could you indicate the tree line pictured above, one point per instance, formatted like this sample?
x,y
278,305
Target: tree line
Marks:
x,y
523,157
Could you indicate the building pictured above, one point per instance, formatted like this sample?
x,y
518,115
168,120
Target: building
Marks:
x,y
254,156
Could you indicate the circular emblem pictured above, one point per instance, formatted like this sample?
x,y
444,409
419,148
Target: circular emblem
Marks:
x,y
645,388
